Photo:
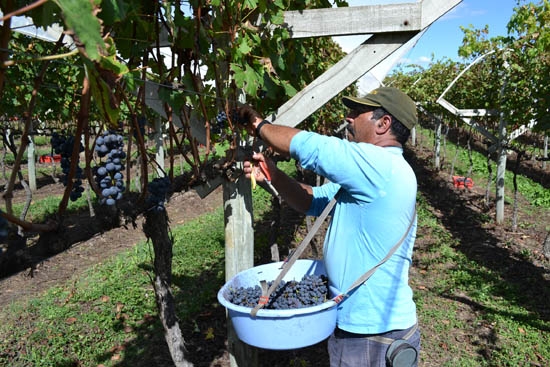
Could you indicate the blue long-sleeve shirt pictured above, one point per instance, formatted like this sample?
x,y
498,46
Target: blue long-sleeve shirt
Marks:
x,y
374,210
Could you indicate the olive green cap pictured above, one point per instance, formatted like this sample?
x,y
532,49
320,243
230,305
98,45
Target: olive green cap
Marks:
x,y
397,103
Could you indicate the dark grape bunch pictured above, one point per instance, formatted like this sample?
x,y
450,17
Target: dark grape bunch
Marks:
x,y
312,290
4,228
63,145
221,121
108,174
142,121
158,190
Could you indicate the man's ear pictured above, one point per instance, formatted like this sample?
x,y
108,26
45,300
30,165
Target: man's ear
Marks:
x,y
383,124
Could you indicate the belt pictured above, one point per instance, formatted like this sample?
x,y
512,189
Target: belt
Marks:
x,y
380,338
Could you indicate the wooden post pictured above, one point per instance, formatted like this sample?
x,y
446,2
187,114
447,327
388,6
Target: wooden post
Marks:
x,y
545,152
501,170
239,254
31,163
437,162
159,143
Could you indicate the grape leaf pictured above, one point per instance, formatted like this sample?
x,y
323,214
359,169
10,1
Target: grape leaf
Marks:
x,y
103,95
79,17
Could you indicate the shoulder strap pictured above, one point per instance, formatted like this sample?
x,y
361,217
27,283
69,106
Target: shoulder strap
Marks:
x,y
292,259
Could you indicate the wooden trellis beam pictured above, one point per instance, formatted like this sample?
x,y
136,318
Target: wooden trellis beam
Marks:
x,y
369,19
466,115
391,27
358,20
352,67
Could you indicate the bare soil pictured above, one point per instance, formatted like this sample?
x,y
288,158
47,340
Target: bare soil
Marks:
x,y
516,255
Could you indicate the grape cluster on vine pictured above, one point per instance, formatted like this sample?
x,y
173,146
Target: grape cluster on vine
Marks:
x,y
310,291
4,228
158,190
63,145
108,174
142,121
221,121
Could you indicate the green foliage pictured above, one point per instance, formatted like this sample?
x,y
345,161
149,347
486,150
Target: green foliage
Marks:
x,y
79,17
530,63
220,52
56,96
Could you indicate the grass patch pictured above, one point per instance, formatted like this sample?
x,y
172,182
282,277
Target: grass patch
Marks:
x,y
44,208
503,331
113,304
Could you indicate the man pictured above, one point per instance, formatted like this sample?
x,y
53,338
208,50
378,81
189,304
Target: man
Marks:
x,y
375,208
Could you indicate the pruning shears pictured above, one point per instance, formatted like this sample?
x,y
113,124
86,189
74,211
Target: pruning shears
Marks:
x,y
267,180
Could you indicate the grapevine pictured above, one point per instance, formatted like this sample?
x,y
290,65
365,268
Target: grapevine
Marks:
x,y
310,291
64,146
108,174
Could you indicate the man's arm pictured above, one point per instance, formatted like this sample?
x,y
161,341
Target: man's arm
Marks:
x,y
298,195
277,136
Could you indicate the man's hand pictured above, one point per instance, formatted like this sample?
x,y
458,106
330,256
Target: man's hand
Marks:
x,y
252,168
248,116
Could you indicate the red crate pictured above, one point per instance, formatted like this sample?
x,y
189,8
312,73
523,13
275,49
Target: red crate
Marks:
x,y
47,158
463,182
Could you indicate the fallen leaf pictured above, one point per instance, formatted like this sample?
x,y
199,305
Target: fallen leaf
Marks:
x,y
209,333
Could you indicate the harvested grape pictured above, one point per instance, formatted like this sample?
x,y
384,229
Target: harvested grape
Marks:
x,y
312,290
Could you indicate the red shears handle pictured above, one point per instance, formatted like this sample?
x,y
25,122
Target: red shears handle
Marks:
x,y
265,170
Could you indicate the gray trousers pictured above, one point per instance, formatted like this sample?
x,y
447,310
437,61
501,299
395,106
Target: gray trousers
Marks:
x,y
355,350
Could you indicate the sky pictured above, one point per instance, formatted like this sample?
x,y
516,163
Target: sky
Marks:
x,y
443,38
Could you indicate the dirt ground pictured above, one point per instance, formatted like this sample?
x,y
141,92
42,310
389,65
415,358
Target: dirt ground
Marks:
x,y
459,211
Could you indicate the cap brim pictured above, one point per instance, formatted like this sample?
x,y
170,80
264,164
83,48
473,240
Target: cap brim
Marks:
x,y
354,102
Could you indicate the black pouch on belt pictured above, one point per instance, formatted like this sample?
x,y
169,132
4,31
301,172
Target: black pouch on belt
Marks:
x,y
401,354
